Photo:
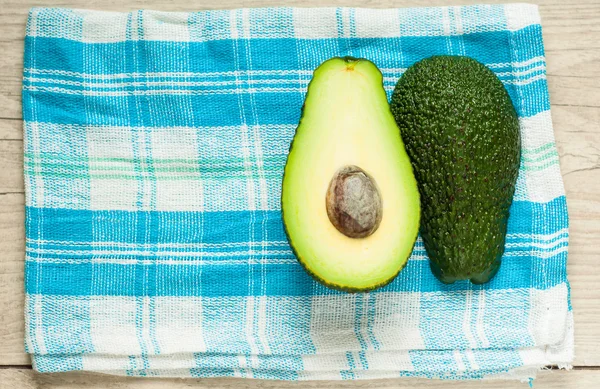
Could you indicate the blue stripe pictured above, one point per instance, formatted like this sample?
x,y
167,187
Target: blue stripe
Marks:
x,y
41,53
67,55
371,322
349,374
280,106
153,227
79,254
223,82
280,280
52,364
148,226
211,373
359,313
270,247
286,365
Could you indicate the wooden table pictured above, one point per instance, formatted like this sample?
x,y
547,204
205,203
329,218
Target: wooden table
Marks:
x,y
572,40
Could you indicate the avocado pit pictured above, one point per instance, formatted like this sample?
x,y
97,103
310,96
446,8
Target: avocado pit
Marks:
x,y
353,202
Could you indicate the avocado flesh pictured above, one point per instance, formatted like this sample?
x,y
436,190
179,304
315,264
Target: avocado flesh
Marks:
x,y
346,121
462,135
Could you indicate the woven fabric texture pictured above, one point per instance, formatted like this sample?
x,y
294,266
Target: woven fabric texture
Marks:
x,y
154,150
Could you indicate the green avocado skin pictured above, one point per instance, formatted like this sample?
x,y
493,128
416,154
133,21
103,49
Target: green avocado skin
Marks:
x,y
461,132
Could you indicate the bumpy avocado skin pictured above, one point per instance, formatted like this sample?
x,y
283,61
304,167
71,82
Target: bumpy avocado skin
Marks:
x,y
461,132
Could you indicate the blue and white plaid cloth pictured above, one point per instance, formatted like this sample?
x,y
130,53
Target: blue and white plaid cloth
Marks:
x,y
154,149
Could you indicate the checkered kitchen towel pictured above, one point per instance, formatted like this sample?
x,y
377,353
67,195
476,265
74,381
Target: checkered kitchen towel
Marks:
x,y
154,149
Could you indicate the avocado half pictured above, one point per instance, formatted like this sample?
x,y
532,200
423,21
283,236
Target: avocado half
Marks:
x,y
462,134
349,199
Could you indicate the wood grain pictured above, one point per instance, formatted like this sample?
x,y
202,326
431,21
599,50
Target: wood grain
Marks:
x,y
572,42
28,379
11,129
12,253
11,163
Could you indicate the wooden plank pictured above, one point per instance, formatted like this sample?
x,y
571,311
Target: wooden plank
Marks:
x,y
574,91
11,129
572,63
12,252
28,379
563,21
580,165
568,118
11,73
11,163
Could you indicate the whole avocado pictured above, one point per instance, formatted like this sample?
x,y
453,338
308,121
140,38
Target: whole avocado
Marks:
x,y
461,133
